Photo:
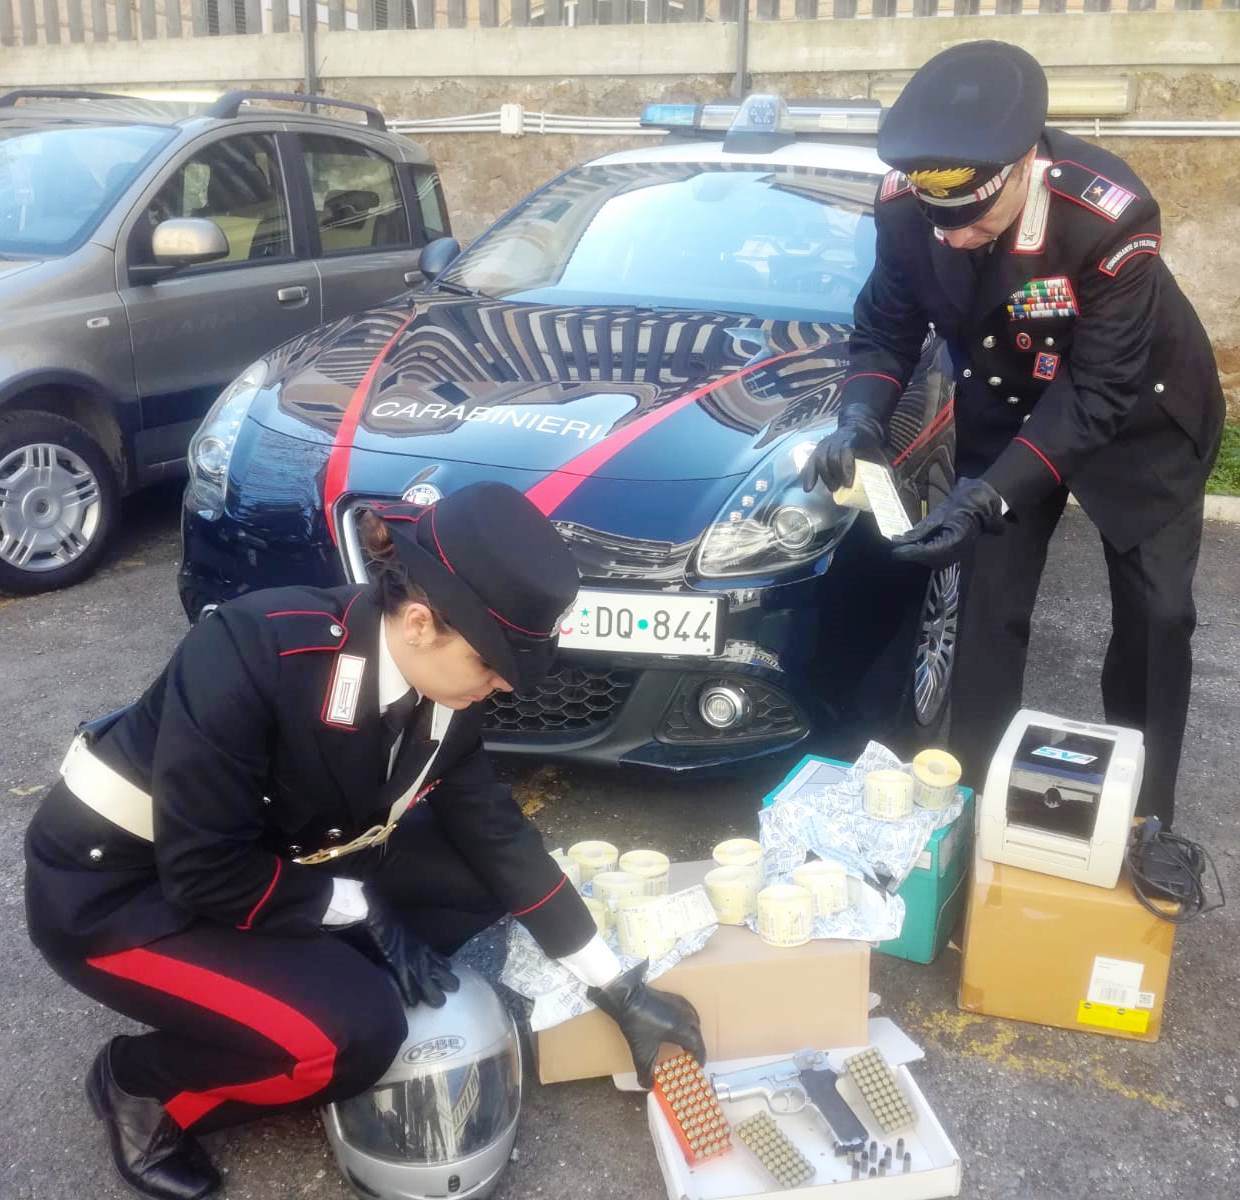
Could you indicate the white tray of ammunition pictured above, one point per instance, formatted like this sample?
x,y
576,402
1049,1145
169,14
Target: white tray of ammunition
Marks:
x,y
934,1164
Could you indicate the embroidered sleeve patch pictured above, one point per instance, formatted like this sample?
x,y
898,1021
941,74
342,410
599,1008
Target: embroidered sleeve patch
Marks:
x,y
895,183
1143,243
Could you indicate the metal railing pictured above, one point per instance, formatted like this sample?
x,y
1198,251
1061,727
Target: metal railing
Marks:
x,y
43,22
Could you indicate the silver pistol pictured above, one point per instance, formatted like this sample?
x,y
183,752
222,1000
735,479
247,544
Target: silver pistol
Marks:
x,y
789,1085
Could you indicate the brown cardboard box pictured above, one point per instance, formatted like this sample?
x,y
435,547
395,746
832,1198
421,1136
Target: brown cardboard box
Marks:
x,y
753,999
1048,950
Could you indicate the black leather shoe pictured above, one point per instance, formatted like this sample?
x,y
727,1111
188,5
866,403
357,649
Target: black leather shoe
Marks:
x,y
153,1154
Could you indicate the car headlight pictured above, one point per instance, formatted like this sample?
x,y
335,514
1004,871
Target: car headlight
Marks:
x,y
211,448
770,526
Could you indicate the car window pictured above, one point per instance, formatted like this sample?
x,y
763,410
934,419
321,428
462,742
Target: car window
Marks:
x,y
783,242
431,206
57,184
356,195
236,183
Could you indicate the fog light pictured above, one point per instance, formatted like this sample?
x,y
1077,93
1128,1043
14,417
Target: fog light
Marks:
x,y
722,706
793,527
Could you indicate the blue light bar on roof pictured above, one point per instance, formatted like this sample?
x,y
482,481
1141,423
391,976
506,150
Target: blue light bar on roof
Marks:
x,y
762,114
669,116
766,114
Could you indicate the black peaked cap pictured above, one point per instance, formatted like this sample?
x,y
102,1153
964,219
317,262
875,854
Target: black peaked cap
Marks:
x,y
496,569
965,115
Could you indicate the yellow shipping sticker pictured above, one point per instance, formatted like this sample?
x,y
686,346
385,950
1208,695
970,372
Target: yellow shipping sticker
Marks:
x,y
1107,1016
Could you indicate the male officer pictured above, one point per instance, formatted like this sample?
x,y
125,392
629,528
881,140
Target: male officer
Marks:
x,y
1079,365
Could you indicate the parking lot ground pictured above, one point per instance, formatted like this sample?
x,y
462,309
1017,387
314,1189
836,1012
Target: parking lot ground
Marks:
x,y
1037,1114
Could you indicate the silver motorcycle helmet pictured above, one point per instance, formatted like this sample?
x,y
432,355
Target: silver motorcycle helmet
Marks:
x,y
441,1122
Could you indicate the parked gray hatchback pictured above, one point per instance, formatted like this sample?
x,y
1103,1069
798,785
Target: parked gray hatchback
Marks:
x,y
149,252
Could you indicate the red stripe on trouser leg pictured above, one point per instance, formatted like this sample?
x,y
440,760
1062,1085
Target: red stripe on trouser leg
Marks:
x,y
293,1032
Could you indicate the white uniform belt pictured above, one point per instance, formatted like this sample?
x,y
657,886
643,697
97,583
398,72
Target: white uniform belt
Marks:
x,y
109,793
112,796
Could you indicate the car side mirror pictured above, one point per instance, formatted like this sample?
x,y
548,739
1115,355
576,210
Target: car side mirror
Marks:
x,y
178,243
188,241
438,256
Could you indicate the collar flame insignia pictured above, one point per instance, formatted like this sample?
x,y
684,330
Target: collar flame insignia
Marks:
x,y
940,182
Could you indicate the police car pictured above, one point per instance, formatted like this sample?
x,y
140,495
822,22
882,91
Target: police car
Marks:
x,y
649,346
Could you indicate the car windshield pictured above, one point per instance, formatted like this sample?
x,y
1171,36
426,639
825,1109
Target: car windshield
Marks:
x,y
57,183
780,242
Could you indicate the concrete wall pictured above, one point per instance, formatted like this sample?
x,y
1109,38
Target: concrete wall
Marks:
x,y
1179,65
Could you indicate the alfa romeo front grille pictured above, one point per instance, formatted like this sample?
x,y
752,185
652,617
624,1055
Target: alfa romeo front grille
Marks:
x,y
573,700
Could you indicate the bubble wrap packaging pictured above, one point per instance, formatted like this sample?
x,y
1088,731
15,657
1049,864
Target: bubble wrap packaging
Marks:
x,y
558,995
829,819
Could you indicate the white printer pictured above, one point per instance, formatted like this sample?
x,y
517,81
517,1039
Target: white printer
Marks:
x,y
1060,797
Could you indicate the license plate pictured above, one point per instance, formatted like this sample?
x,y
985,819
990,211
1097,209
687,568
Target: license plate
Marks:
x,y
642,623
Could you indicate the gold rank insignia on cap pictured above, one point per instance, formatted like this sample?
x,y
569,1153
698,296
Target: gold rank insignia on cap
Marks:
x,y
940,182
957,187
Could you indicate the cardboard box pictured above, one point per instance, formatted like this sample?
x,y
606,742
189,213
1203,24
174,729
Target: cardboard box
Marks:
x,y
936,1168
1048,950
753,999
934,893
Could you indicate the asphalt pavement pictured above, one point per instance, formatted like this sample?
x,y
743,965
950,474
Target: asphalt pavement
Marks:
x,y
1036,1113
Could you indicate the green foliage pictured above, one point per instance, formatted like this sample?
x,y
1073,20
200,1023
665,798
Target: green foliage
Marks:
x,y
1225,479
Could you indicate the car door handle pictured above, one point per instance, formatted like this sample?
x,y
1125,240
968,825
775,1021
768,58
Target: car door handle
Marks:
x,y
293,295
412,277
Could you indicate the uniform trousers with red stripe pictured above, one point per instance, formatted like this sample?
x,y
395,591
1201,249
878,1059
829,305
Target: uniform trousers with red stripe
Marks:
x,y
244,1024
1147,667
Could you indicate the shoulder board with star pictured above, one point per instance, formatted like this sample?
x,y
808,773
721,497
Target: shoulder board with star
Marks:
x,y
895,183
1090,190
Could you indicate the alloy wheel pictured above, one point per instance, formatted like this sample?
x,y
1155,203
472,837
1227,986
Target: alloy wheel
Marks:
x,y
935,654
50,507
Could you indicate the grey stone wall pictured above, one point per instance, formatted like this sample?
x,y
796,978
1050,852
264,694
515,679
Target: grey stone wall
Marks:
x,y
1180,65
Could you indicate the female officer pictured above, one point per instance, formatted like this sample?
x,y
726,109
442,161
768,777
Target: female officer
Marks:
x,y
299,809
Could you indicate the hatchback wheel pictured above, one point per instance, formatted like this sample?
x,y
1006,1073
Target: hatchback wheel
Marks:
x,y
59,500
935,653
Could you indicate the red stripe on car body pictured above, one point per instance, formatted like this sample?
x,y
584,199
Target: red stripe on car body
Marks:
x,y
944,415
338,461
548,494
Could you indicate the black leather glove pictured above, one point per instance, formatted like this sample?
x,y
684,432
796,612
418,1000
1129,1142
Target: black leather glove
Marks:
x,y
859,432
648,1018
972,508
422,975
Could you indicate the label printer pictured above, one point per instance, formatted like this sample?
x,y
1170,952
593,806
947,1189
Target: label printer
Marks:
x,y
1060,797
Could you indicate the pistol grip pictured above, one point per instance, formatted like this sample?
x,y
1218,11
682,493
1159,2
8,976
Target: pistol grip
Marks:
x,y
845,1125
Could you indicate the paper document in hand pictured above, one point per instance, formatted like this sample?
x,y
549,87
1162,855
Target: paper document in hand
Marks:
x,y
885,502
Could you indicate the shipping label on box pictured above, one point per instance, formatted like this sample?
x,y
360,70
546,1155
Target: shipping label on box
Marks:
x,y
1049,950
